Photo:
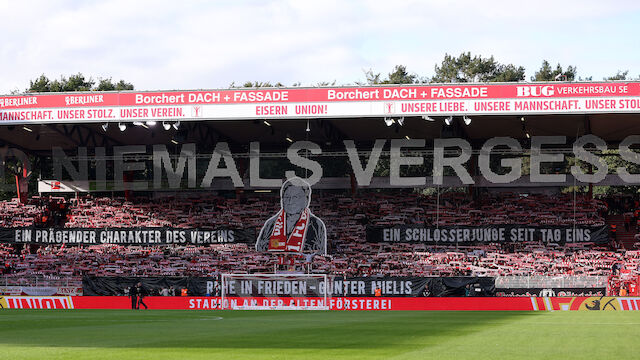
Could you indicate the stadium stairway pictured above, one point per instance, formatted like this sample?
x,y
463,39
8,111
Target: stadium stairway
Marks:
x,y
626,238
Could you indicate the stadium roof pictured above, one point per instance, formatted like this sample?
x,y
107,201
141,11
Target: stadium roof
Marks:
x,y
36,122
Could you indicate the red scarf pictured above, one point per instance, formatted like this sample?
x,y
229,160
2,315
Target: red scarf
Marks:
x,y
278,240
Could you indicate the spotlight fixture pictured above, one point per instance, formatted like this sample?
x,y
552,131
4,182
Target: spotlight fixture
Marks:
x,y
138,123
448,120
289,139
407,137
105,126
400,121
151,123
527,135
176,125
308,128
522,118
427,118
27,129
122,126
166,125
266,122
467,120
389,121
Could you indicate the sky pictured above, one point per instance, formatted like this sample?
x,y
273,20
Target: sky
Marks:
x,y
167,45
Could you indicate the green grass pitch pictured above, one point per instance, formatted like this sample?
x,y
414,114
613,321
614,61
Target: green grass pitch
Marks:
x,y
156,334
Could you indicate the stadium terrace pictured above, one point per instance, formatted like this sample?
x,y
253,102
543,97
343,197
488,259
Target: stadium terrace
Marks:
x,y
495,196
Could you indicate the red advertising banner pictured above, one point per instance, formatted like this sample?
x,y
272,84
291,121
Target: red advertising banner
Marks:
x,y
336,303
594,303
428,100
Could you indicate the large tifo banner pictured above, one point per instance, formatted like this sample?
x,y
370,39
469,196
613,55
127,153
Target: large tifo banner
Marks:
x,y
595,303
300,103
265,287
126,236
488,233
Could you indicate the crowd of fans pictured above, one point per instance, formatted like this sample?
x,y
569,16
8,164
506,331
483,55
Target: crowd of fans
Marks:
x,y
346,218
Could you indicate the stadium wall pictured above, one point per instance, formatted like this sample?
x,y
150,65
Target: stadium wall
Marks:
x,y
597,303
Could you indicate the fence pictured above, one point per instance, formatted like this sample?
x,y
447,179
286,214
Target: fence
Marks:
x,y
525,282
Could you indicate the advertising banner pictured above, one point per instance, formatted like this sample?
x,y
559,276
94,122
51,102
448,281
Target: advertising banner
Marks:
x,y
300,103
597,303
488,233
125,236
37,302
591,303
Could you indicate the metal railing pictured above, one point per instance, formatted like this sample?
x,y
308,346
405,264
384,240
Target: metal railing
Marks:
x,y
41,281
567,281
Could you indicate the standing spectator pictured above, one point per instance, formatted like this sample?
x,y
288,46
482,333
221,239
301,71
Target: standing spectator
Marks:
x,y
133,293
141,293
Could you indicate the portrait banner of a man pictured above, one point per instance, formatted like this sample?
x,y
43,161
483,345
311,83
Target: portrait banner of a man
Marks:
x,y
294,229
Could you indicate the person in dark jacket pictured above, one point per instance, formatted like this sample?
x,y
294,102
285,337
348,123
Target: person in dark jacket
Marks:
x,y
133,293
141,294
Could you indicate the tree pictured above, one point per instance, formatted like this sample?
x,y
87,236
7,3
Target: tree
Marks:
x,y
620,75
76,82
399,75
467,68
508,73
325,83
546,73
108,85
255,84
371,78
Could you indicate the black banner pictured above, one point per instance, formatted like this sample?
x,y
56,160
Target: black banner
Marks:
x,y
126,236
460,286
153,286
414,286
486,234
294,287
551,291
305,286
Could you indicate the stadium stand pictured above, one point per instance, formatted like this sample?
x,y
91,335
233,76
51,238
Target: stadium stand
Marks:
x,y
346,217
